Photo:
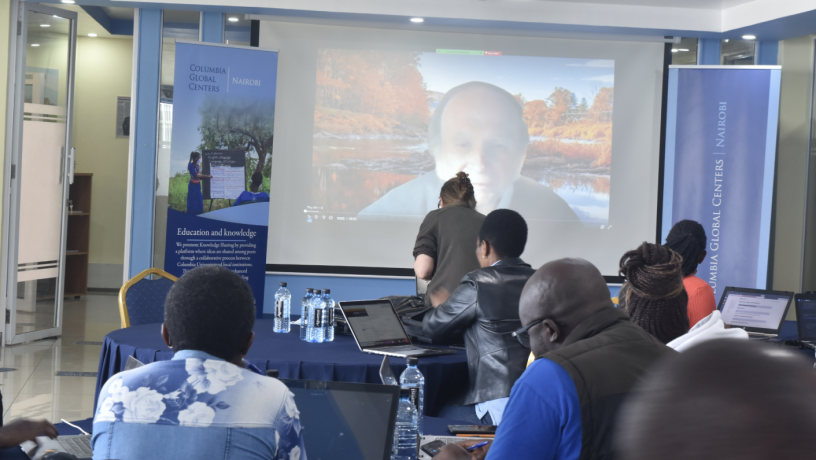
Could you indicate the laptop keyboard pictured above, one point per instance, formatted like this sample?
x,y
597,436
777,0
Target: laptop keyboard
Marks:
x,y
79,446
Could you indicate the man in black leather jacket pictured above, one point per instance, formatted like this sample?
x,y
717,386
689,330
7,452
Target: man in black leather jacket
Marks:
x,y
485,309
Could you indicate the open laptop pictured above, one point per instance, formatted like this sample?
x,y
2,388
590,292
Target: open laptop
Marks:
x,y
760,312
346,421
77,445
378,330
806,319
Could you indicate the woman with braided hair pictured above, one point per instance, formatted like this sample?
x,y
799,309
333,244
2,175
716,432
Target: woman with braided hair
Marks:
x,y
653,295
443,252
688,238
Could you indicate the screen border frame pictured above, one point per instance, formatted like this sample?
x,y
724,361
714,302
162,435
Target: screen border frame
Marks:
x,y
390,272
393,390
796,298
758,330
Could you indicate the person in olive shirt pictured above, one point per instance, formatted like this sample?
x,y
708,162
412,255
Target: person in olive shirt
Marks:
x,y
485,309
443,252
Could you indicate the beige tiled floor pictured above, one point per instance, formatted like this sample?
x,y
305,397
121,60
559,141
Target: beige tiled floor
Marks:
x,y
33,390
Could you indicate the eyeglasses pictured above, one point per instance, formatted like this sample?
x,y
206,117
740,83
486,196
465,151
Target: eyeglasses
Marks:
x,y
523,334
439,204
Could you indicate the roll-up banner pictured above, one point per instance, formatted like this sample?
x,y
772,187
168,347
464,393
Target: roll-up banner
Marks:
x,y
721,133
220,160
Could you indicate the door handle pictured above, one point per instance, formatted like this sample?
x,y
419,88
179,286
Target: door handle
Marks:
x,y
71,166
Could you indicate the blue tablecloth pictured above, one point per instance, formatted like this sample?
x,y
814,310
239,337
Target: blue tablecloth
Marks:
x,y
436,426
445,376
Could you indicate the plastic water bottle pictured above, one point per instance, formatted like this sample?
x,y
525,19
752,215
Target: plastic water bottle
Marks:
x,y
413,381
406,434
304,313
328,302
317,319
283,309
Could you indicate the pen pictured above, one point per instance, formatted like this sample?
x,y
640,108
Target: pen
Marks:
x,y
476,446
252,367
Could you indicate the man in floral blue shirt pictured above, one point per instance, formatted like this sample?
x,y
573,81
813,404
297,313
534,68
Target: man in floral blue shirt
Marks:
x,y
202,403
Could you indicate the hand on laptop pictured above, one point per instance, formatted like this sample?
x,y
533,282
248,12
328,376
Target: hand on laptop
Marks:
x,y
21,430
458,452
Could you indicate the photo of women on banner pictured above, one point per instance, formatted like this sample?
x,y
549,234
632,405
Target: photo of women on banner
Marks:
x,y
223,109
223,140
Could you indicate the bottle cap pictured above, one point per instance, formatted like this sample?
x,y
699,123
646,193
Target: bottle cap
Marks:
x,y
326,291
309,290
283,285
272,373
413,360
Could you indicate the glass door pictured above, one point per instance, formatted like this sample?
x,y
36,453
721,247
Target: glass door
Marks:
x,y
41,171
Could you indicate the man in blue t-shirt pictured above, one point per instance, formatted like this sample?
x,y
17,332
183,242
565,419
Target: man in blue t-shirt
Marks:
x,y
253,196
589,356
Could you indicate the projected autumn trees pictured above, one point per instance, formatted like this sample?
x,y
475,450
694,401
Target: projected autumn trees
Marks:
x,y
371,94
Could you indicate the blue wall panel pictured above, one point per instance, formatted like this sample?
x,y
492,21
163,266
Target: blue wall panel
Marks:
x,y
212,27
708,51
145,141
344,288
767,53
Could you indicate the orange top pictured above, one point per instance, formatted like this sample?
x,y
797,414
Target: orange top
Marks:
x,y
700,299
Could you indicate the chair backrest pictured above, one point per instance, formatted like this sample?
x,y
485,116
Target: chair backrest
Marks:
x,y
141,300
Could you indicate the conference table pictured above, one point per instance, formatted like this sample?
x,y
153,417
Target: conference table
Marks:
x,y
446,376
433,426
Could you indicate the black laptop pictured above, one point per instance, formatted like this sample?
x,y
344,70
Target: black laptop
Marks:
x,y
346,421
760,312
806,319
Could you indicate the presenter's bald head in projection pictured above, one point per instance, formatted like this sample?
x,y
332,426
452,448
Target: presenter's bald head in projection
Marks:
x,y
478,128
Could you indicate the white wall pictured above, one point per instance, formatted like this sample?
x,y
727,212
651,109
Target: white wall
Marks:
x,y
795,57
103,72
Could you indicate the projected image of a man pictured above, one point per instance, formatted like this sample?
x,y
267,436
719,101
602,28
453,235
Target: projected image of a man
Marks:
x,y
478,128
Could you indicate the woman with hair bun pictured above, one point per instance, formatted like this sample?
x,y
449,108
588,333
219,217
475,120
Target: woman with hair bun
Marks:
x,y
688,238
443,252
653,295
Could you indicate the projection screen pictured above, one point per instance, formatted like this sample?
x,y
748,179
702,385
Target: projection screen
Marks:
x,y
369,124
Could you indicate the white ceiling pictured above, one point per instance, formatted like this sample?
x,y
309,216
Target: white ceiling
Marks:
x,y
698,16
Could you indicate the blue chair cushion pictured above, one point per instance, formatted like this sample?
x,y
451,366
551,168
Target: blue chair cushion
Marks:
x,y
145,301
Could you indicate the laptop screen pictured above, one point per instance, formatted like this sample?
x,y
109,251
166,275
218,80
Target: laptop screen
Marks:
x,y
342,421
759,311
375,324
806,319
